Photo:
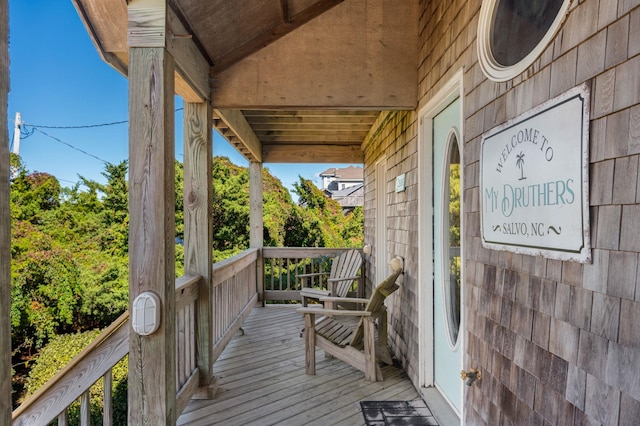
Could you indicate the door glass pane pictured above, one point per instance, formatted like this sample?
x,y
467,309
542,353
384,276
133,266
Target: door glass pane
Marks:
x,y
452,275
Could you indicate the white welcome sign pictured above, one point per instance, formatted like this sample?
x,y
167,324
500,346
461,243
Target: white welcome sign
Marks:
x,y
534,181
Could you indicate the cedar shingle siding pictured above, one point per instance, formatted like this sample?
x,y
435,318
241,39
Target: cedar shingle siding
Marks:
x,y
556,342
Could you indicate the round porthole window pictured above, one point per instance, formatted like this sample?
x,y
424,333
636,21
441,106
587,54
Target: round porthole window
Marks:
x,y
513,33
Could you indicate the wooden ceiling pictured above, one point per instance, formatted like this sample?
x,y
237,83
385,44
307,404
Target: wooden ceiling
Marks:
x,y
289,80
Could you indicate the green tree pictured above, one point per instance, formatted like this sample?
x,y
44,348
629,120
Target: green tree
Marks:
x,y
230,208
318,220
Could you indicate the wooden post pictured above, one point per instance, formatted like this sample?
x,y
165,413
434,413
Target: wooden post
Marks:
x,y
198,225
256,224
152,364
310,343
369,349
5,234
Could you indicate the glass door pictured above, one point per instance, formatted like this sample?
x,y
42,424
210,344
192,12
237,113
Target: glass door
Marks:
x,y
447,283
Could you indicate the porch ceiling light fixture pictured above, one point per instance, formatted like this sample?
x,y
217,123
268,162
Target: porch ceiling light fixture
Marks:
x,y
512,34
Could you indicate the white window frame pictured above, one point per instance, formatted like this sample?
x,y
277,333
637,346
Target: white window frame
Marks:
x,y
492,69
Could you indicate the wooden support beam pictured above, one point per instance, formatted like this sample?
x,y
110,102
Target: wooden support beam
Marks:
x,y
146,23
5,236
256,223
152,358
198,222
192,67
236,122
312,154
284,5
153,23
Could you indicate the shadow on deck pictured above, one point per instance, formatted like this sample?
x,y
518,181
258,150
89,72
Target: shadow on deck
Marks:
x,y
262,380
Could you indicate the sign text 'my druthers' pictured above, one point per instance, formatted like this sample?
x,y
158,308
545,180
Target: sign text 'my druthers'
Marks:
x,y
514,196
533,190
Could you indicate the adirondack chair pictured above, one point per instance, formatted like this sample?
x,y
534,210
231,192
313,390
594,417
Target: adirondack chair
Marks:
x,y
354,342
344,270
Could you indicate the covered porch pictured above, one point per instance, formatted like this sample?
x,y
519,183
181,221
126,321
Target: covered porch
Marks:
x,y
262,381
257,354
296,81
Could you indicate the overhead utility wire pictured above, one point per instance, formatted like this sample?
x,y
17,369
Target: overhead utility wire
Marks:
x,y
25,133
35,129
78,127
87,126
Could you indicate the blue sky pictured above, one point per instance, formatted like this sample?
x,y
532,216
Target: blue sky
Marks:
x,y
59,80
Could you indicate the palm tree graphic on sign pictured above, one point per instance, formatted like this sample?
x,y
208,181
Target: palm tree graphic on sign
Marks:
x,y
520,164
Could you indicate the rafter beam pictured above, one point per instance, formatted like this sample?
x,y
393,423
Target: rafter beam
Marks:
x,y
321,153
238,125
192,68
285,10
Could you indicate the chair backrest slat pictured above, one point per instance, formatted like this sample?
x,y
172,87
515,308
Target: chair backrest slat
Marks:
x,y
375,304
349,263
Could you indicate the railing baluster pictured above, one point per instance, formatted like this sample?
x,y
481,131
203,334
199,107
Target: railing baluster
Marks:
x,y
181,348
272,274
288,274
192,337
85,409
63,419
107,401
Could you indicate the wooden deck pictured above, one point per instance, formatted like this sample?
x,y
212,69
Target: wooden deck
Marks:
x,y
262,380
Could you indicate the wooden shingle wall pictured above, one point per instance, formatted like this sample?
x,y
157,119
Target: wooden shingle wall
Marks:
x,y
395,138
557,342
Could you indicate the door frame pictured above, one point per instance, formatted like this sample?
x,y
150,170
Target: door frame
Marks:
x,y
381,247
448,93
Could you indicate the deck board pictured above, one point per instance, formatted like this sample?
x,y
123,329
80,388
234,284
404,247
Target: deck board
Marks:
x,y
262,380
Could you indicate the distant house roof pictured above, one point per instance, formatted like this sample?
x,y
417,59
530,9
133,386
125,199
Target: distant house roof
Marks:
x,y
347,173
349,190
349,197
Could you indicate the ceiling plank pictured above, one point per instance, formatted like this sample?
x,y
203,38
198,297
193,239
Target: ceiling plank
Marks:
x,y
235,121
359,55
273,34
307,113
302,137
312,154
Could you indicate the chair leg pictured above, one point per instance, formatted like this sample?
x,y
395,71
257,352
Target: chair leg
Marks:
x,y
310,343
383,341
369,349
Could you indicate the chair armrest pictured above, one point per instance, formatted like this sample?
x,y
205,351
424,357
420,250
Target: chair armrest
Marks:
x,y
333,312
315,293
357,277
343,299
316,274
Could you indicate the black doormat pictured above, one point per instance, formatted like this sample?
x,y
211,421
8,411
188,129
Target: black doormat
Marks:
x,y
397,413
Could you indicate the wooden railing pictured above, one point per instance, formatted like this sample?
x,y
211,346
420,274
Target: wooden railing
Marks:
x,y
76,378
187,373
234,295
282,264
